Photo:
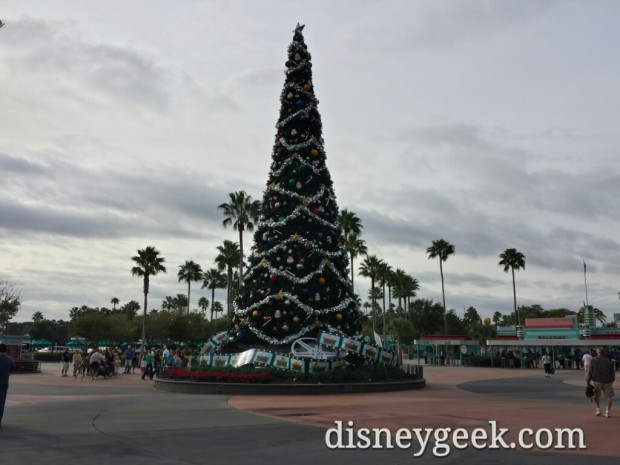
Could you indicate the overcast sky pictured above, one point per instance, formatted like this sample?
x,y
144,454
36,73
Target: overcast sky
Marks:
x,y
492,125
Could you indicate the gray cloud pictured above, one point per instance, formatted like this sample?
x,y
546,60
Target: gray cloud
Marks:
x,y
58,52
54,197
489,127
14,166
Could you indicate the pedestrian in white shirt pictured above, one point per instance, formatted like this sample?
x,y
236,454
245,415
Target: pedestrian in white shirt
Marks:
x,y
587,360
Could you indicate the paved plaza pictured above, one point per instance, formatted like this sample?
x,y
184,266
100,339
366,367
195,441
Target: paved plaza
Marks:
x,y
53,420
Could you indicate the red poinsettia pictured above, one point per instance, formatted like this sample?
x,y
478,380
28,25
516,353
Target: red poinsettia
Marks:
x,y
182,374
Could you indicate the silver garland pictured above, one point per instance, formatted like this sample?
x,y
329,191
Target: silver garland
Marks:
x,y
296,158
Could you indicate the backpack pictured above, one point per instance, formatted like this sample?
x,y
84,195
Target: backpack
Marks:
x,y
590,391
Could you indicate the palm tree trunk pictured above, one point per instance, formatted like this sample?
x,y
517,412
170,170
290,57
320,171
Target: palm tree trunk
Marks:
x,y
384,313
188,285
229,296
514,294
146,292
374,311
443,296
212,302
240,256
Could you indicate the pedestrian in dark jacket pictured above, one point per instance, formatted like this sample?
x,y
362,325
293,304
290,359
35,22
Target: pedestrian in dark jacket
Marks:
x,y
602,375
6,365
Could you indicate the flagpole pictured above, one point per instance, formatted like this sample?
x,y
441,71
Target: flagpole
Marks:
x,y
585,282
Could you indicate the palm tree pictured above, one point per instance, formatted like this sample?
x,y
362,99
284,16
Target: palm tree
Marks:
x,y
511,259
355,247
180,303
148,263
227,259
405,287
352,230
350,222
242,212
385,271
216,308
203,304
188,272
442,249
370,268
598,315
168,303
213,279
114,301
410,289
398,286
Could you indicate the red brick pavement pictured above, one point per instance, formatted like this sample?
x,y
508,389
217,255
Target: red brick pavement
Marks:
x,y
443,404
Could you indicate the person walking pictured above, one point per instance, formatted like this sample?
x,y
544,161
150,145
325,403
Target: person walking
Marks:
x,y
578,358
77,364
6,365
129,355
586,359
96,361
148,359
157,363
65,358
602,376
546,360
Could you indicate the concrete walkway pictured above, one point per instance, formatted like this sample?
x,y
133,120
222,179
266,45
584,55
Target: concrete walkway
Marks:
x,y
53,420
464,397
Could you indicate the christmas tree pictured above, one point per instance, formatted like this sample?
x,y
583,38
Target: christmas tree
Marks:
x,y
297,281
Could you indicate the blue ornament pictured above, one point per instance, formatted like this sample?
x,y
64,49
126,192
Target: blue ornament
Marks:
x,y
240,336
300,103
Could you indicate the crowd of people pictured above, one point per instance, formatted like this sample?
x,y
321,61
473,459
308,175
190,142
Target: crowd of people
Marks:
x,y
560,359
106,362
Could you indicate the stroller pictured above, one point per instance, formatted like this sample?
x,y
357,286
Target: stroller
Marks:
x,y
105,370
99,369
